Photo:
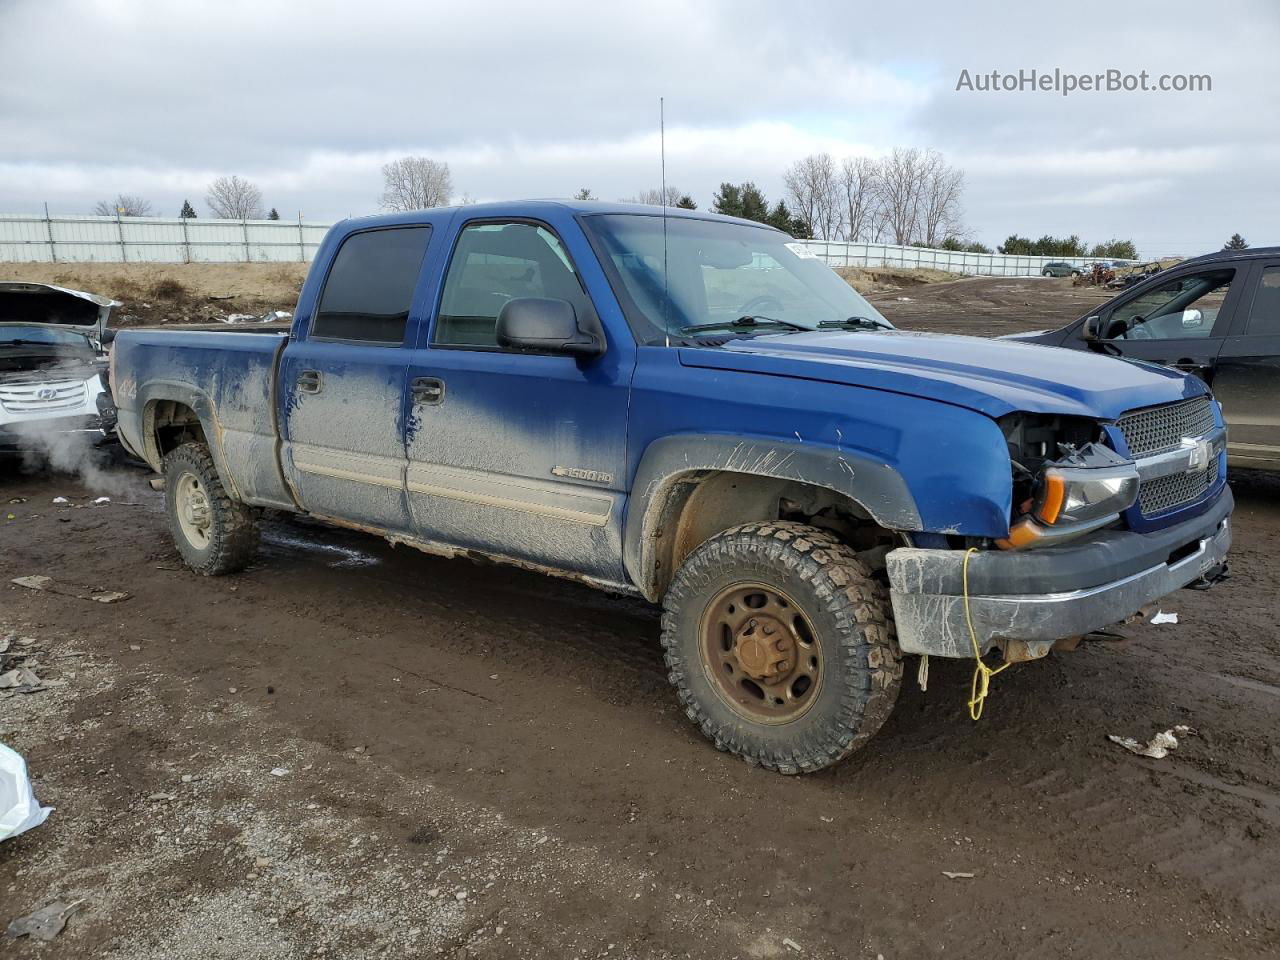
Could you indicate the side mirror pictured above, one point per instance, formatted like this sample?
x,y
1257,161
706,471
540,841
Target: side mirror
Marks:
x,y
108,336
1192,318
544,325
1092,328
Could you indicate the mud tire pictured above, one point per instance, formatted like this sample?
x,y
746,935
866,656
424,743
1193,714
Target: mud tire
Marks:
x,y
848,609
233,527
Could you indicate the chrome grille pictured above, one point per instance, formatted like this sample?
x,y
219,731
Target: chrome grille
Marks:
x,y
40,397
1157,429
1165,493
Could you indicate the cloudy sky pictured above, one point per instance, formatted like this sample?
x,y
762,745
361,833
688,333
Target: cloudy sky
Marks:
x,y
308,98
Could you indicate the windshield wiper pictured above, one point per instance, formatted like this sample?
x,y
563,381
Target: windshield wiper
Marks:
x,y
749,320
854,323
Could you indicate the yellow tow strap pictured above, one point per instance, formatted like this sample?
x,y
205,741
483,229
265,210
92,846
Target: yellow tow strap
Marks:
x,y
982,674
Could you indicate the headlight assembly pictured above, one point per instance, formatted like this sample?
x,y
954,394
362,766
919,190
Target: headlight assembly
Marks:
x,y
1085,490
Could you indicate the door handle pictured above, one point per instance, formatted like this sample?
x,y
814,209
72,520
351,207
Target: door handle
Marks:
x,y
310,381
428,391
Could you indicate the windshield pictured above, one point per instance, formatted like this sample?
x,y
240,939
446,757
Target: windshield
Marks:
x,y
21,334
724,276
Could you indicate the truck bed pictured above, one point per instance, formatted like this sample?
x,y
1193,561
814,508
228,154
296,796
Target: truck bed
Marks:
x,y
229,379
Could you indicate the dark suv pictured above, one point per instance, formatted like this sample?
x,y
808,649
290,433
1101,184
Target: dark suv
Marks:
x,y
1217,316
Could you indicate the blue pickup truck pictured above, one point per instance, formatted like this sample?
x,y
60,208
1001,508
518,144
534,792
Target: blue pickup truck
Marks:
x,y
693,409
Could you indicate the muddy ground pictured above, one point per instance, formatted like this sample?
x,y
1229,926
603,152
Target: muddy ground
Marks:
x,y
351,750
986,306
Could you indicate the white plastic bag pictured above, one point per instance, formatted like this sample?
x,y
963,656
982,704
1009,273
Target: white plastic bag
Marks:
x,y
19,809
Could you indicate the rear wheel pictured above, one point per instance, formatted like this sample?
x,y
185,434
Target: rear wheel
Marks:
x,y
214,533
780,646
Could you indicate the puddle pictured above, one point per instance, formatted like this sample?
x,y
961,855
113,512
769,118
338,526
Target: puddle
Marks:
x,y
342,556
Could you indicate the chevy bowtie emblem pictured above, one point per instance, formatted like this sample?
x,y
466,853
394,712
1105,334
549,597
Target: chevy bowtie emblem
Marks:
x,y
1201,451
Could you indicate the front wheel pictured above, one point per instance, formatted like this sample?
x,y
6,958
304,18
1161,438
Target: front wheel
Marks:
x,y
779,643
214,533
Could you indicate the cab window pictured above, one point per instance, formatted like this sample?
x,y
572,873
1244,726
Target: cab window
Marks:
x,y
1183,308
492,264
369,290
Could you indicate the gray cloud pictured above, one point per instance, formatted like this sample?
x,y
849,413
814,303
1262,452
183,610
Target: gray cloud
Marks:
x,y
309,99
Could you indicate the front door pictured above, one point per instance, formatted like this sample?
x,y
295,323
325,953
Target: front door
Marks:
x,y
1179,323
517,454
1247,376
344,383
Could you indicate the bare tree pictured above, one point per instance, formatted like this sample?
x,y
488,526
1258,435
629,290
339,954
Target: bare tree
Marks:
x,y
940,214
232,198
415,183
125,204
653,196
900,192
814,192
860,191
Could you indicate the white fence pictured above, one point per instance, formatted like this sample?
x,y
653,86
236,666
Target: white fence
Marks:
x,y
35,238
29,239
838,253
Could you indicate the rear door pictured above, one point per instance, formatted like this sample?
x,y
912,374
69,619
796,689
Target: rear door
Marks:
x,y
1247,378
344,383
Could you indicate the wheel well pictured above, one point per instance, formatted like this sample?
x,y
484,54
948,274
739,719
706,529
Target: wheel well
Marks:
x,y
701,504
168,425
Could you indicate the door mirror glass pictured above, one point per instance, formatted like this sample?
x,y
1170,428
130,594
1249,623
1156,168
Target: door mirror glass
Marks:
x,y
1092,327
547,325
1192,318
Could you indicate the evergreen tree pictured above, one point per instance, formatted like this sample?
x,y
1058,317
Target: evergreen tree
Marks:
x,y
754,205
274,214
686,202
584,194
1236,242
188,211
728,200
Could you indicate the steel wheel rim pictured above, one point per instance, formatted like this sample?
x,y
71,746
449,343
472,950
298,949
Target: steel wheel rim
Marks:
x,y
195,516
760,653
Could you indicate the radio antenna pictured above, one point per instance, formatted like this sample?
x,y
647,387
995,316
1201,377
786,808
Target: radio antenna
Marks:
x,y
662,151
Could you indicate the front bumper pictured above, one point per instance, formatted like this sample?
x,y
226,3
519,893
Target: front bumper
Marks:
x,y
1044,595
16,437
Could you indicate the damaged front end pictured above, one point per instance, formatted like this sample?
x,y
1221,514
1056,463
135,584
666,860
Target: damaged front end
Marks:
x,y
1069,565
53,368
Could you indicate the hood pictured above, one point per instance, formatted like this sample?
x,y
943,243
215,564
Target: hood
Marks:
x,y
994,377
43,304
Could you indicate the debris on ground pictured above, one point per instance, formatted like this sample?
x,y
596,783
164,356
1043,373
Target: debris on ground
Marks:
x,y
1162,617
19,809
791,945
45,923
271,316
280,772
49,585
1158,747
61,500
102,500
957,875
20,680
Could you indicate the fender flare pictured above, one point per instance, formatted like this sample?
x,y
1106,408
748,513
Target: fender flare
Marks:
x,y
874,485
174,391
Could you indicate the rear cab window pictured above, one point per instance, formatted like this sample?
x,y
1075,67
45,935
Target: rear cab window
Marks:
x,y
369,290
